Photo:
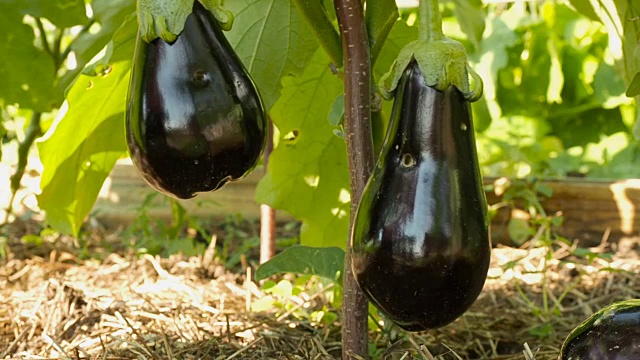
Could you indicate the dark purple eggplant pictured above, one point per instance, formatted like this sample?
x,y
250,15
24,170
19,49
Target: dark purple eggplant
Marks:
x,y
420,241
612,333
194,119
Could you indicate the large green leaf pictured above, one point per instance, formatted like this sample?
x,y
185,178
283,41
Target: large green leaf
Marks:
x,y
585,8
492,56
79,151
62,13
470,15
307,174
110,14
608,87
326,262
272,40
26,73
623,28
380,19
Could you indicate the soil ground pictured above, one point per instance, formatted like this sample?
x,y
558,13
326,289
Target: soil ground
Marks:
x,y
58,303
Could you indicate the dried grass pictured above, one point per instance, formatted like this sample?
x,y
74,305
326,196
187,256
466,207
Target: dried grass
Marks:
x,y
128,307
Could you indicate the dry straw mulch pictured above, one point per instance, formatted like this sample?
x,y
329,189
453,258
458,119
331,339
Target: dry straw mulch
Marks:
x,y
128,307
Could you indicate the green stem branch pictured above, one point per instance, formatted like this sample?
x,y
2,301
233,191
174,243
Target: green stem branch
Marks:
x,y
43,36
55,50
315,14
33,132
430,21
84,30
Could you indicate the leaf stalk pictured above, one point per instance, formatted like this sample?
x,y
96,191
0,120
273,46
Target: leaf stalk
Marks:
x,y
33,132
43,36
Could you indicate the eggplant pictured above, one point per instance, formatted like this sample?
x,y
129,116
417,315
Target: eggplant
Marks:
x,y
194,118
612,333
420,242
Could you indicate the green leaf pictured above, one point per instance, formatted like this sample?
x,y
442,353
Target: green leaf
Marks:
x,y
608,87
185,247
556,76
307,174
634,87
493,55
283,289
272,40
110,14
337,111
265,303
31,239
470,15
26,72
543,330
162,18
79,151
585,8
315,14
519,230
544,190
62,13
379,20
326,262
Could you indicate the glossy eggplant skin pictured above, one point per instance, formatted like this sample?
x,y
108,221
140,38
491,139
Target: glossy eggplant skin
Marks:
x,y
612,333
194,119
420,241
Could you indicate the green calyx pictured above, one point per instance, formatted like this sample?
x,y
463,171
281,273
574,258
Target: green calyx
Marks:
x,y
442,61
162,18
222,15
165,18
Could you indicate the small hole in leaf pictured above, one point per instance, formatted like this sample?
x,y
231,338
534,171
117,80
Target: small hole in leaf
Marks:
x,y
291,136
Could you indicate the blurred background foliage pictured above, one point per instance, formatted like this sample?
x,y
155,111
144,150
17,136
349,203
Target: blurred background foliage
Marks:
x,y
554,101
555,75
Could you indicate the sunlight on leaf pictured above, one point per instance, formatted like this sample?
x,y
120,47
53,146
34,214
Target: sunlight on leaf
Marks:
x,y
80,149
272,40
316,154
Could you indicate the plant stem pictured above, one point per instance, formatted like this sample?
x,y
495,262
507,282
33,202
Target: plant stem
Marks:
x,y
84,30
33,132
315,14
43,36
55,51
357,103
430,21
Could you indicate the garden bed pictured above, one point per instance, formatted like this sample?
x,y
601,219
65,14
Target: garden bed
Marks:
x,y
56,305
